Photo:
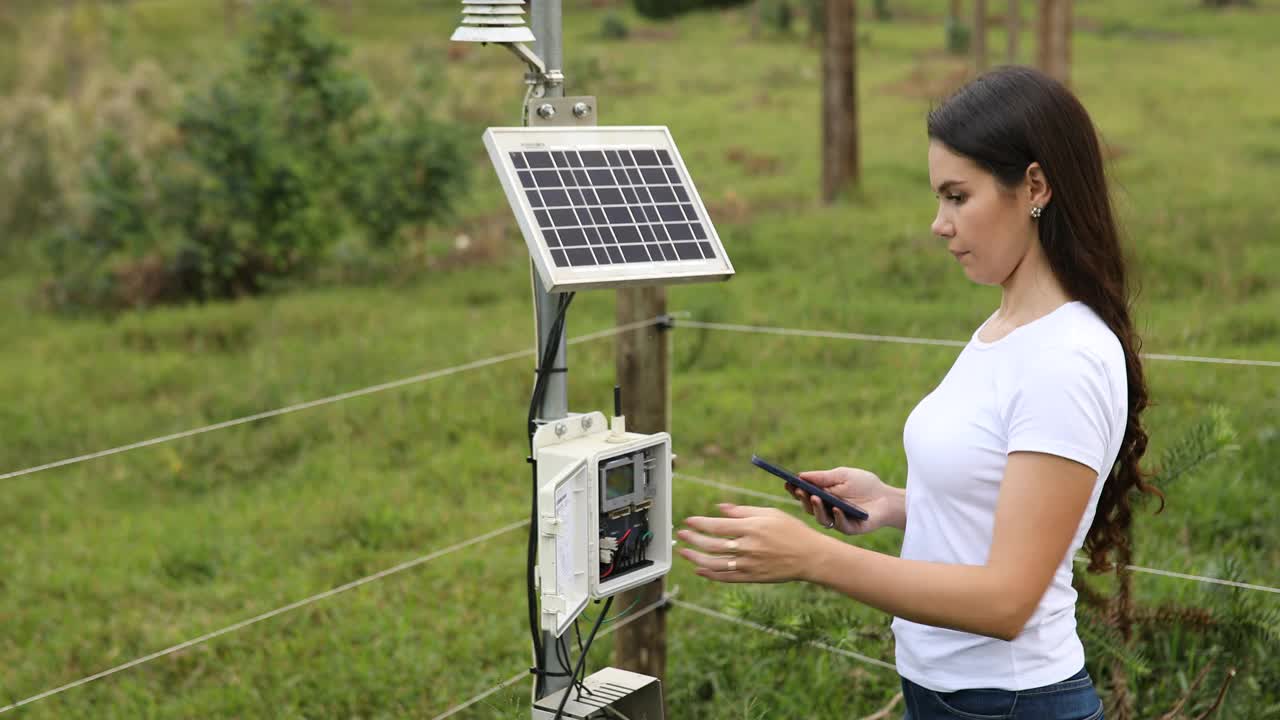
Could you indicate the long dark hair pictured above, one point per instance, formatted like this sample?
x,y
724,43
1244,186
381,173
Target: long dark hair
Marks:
x,y
1003,121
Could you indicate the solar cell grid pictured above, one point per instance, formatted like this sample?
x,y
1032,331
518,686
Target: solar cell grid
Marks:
x,y
611,206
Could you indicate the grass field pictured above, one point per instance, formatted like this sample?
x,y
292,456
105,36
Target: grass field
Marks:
x,y
115,558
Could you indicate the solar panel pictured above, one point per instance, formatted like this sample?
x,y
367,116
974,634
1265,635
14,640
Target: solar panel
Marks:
x,y
606,206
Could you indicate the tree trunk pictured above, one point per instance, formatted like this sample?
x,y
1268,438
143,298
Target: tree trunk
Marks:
x,y
230,11
1013,23
74,49
840,162
980,35
1054,31
345,10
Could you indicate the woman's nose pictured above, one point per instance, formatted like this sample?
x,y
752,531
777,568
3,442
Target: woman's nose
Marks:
x,y
941,227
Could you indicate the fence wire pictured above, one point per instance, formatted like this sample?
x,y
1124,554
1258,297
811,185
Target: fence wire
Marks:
x,y
783,634
508,528
475,365
777,501
273,613
667,599
900,339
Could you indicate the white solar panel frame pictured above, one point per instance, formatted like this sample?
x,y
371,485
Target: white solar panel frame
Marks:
x,y
502,141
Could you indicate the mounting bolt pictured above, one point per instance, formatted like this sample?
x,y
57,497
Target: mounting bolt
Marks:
x,y
586,422
561,429
546,111
581,110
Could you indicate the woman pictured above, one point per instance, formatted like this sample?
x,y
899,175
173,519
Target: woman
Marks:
x,y
1026,451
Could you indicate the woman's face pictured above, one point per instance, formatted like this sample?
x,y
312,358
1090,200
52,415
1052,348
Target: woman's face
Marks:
x,y
988,227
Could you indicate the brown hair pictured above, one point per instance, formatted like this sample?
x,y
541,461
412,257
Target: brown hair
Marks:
x,y
1003,121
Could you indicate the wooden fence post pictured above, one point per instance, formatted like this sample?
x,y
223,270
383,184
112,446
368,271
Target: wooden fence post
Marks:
x,y
1013,21
979,36
841,164
643,371
1054,31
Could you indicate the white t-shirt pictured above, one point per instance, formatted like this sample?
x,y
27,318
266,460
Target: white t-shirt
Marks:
x,y
1056,385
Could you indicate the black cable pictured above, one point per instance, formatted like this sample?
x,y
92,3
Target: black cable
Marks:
x,y
582,659
577,633
562,653
547,358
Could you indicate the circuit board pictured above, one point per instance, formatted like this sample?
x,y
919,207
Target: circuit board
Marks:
x,y
624,542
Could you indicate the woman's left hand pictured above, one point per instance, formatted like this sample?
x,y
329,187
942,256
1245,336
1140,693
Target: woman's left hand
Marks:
x,y
750,544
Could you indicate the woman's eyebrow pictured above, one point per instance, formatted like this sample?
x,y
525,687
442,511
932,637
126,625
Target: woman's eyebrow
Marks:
x,y
947,185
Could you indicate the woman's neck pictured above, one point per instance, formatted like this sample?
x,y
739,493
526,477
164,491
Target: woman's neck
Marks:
x,y
1031,290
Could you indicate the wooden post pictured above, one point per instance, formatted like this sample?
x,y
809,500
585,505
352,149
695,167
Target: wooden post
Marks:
x,y
979,35
345,12
1013,23
1054,31
230,9
74,44
643,371
840,161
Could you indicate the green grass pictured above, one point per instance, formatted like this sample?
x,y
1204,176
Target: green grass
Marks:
x,y
112,559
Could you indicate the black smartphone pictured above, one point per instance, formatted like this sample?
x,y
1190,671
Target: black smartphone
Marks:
x,y
853,512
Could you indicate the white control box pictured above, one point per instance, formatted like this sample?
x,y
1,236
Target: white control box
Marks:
x,y
604,513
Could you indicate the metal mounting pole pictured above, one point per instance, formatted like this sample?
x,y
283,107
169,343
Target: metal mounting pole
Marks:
x,y
545,21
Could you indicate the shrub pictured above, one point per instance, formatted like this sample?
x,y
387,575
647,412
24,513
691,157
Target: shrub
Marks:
x,y
613,27
32,191
957,36
274,162
778,15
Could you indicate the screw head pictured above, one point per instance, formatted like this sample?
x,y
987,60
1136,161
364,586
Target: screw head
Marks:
x,y
546,111
586,422
581,110
561,429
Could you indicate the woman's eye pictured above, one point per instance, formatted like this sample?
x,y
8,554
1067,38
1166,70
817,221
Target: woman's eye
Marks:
x,y
957,199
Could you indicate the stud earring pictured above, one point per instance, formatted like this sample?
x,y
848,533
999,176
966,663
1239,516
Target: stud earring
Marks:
x,y
1036,211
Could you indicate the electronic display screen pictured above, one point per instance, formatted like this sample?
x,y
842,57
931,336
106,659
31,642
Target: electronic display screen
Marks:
x,y
619,481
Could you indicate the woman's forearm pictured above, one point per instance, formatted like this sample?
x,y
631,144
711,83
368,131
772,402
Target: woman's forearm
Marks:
x,y
970,598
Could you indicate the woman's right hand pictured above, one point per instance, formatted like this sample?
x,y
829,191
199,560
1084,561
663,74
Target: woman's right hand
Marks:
x,y
885,504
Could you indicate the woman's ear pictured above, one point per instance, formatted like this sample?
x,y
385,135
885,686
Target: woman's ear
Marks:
x,y
1038,185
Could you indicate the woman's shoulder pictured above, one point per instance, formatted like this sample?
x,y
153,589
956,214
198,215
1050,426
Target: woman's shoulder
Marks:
x,y
1083,330
1071,336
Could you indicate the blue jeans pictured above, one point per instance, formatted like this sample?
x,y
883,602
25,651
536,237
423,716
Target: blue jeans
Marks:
x,y
1071,699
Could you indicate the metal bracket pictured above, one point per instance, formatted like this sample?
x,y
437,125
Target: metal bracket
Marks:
x,y
577,111
529,57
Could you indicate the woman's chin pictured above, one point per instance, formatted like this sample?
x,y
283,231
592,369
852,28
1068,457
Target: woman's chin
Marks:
x,y
978,277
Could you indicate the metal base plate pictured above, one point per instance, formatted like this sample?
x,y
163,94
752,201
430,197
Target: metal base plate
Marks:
x,y
610,693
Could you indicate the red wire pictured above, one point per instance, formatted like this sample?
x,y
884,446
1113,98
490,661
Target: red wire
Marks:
x,y
616,554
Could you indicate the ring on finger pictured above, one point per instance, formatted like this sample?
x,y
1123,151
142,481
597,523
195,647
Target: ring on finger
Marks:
x,y
731,546
733,565
830,524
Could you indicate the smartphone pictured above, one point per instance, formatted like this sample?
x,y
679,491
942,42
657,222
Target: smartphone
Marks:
x,y
853,512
